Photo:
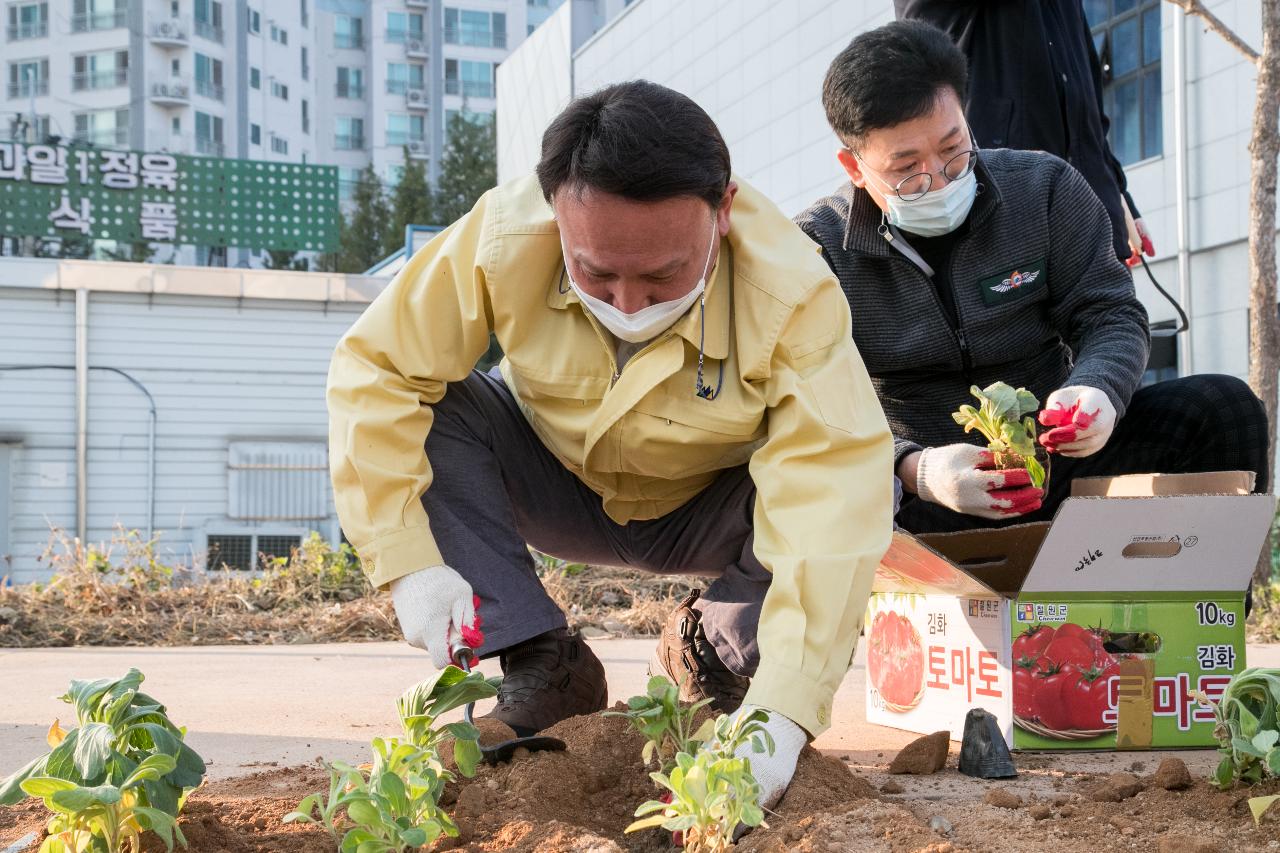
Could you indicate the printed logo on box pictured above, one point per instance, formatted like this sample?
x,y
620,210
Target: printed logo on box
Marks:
x,y
1042,612
984,608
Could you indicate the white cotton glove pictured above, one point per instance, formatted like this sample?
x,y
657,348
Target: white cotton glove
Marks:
x,y
963,477
437,612
1082,419
773,772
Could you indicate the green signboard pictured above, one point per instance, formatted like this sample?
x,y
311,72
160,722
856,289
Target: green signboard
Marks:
x,y
55,191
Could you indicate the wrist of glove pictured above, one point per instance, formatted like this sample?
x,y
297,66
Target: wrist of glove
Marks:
x,y
963,478
1081,420
437,612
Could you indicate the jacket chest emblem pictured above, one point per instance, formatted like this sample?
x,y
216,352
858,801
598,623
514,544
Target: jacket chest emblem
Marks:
x,y
1021,282
1015,280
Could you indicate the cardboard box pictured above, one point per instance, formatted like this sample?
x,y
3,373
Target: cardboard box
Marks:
x,y
1152,582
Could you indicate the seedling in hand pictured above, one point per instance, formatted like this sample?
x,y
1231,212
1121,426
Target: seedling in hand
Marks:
x,y
1005,419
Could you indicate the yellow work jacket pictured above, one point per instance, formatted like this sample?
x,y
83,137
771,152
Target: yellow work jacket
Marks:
x,y
796,405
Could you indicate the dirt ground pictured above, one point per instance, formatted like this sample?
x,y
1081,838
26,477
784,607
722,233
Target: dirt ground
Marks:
x,y
581,799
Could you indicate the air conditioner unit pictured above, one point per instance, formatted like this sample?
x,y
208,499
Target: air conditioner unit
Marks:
x,y
417,149
169,29
415,46
416,96
169,90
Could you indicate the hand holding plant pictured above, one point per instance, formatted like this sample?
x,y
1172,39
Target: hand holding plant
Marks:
x,y
1005,419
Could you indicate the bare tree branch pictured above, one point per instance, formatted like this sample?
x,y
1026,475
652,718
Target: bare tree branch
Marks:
x,y
1213,22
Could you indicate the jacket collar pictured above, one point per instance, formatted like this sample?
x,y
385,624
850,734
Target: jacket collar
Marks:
x,y
718,312
864,221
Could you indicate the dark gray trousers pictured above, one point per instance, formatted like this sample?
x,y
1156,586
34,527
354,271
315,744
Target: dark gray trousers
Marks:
x,y
497,489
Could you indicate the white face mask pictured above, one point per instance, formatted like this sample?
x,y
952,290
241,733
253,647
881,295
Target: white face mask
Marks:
x,y
938,212
648,322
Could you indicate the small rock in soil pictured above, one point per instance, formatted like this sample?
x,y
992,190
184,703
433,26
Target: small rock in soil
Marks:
x,y
1185,844
7,615
613,626
1137,767
1003,798
1172,775
1040,812
923,755
891,787
1116,787
938,847
940,825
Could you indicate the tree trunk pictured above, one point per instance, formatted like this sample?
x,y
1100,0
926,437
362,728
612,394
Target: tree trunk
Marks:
x,y
1264,329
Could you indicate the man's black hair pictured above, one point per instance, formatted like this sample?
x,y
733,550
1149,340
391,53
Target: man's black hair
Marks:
x,y
890,75
637,140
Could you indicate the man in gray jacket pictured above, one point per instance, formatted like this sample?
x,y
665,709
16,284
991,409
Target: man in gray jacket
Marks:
x,y
965,267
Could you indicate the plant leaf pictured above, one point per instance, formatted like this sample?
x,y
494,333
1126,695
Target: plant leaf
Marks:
x,y
1259,805
78,799
93,748
1266,739
646,823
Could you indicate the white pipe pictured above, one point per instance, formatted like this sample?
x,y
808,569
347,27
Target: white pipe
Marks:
x,y
82,414
1186,361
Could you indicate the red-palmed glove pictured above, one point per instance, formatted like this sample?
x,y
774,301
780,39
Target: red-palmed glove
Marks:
x,y
1081,420
437,612
964,478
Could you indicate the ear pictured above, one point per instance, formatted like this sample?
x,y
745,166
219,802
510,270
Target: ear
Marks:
x,y
851,166
722,213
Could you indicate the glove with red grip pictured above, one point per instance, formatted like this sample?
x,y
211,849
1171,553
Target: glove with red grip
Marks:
x,y
1081,421
964,478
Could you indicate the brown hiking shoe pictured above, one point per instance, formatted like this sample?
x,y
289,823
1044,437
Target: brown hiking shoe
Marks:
x,y
685,656
547,679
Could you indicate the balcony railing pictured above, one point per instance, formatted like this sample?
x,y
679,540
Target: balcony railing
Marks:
x,y
173,91
211,147
91,21
107,79
475,38
209,89
27,88
209,31
348,41
402,36
349,90
400,87
36,30
470,88
348,142
117,137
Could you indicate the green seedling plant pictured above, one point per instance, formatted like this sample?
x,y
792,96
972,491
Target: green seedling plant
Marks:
x,y
392,804
712,791
1248,733
668,726
122,770
1005,417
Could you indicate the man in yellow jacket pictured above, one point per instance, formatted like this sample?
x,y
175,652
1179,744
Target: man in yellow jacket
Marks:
x,y
679,393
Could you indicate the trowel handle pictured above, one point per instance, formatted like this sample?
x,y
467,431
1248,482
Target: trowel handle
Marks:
x,y
463,657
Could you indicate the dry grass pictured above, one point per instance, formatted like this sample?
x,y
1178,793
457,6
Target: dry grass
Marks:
x,y
120,593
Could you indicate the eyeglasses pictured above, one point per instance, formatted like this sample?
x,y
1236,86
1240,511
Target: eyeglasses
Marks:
x,y
916,186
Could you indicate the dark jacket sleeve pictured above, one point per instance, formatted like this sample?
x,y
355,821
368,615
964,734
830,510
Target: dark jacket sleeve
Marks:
x,y
1093,303
825,227
951,16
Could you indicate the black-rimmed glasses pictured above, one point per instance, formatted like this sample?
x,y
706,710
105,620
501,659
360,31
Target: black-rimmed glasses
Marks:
x,y
915,187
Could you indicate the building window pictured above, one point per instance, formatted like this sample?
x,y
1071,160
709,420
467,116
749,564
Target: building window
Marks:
x,y
175,66
104,70
279,145
1126,34
303,13
279,35
476,29
209,20
90,15
175,126
255,78
348,32
472,79
306,116
1162,362
255,134
280,90
29,77
209,77
255,22
349,133
277,480
306,64
28,21
103,128
348,177
209,135
350,83
403,129
18,128
394,172
403,26
403,76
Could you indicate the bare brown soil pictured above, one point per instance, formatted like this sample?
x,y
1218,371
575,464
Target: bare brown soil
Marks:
x,y
582,799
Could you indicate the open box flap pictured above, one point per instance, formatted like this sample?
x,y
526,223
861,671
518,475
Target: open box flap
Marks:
x,y
999,557
1175,544
1145,485
911,566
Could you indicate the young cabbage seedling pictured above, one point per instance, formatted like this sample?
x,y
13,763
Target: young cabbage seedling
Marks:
x,y
665,723
1005,419
712,791
1248,732
124,769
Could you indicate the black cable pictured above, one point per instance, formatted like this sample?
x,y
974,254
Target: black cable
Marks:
x,y
1161,329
